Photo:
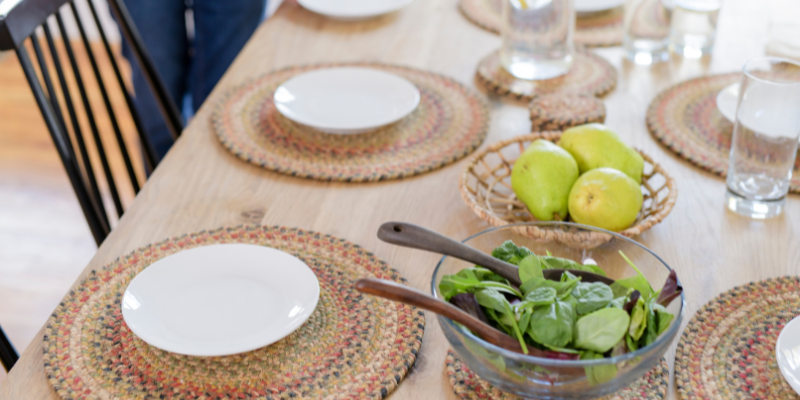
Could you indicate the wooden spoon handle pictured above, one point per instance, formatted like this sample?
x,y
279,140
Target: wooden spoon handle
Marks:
x,y
404,294
417,237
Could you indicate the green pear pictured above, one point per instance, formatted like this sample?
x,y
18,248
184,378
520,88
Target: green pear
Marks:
x,y
596,146
542,178
605,198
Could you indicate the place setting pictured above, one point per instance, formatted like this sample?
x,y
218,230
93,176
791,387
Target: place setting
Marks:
x,y
240,312
353,10
351,122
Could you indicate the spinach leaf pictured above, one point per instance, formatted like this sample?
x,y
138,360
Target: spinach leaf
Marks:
x,y
598,374
619,302
601,330
530,267
559,263
541,296
651,332
663,317
497,303
562,350
568,276
510,253
468,281
593,268
632,345
552,325
638,320
591,296
525,319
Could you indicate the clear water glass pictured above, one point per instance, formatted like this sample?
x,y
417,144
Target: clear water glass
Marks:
x,y
646,26
694,27
537,38
764,143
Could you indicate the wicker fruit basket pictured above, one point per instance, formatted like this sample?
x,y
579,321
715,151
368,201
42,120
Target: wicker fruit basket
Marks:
x,y
485,186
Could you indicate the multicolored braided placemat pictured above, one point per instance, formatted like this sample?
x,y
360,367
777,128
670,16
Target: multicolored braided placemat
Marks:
x,y
685,118
469,386
590,74
597,29
450,122
353,346
728,348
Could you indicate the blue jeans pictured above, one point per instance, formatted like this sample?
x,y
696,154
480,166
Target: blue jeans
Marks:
x,y
222,27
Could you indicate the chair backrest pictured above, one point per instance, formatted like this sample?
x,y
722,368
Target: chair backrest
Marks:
x,y
8,356
29,24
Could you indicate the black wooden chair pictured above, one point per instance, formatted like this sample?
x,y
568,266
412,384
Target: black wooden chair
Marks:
x,y
19,26
22,24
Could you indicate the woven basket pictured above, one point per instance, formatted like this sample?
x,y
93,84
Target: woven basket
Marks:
x,y
486,188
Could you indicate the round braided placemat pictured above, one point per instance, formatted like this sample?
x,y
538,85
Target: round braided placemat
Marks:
x,y
450,122
595,30
352,346
685,118
469,386
590,74
727,350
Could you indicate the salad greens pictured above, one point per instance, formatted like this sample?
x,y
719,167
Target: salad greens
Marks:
x,y
567,319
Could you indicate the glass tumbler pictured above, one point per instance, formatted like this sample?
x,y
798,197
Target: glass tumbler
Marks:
x,y
764,143
646,27
694,27
537,38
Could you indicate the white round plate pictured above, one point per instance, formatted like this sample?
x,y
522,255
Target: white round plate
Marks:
x,y
220,300
346,100
353,10
787,350
727,99
593,6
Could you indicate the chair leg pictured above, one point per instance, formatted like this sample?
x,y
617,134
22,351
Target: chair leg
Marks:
x,y
8,356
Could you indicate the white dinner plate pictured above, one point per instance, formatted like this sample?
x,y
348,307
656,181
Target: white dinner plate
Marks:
x,y
220,300
787,350
353,10
727,99
346,100
593,6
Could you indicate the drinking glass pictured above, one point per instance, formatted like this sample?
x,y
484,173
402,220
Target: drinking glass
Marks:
x,y
646,28
694,27
537,38
764,143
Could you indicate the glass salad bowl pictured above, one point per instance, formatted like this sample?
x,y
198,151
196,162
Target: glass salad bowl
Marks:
x,y
546,378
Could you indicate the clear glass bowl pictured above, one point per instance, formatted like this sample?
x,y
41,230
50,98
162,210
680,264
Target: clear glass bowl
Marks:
x,y
543,378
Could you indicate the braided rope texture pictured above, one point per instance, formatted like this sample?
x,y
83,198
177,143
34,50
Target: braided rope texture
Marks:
x,y
590,74
352,346
686,120
450,122
727,350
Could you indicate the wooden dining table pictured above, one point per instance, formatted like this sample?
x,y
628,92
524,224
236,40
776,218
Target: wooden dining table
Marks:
x,y
200,185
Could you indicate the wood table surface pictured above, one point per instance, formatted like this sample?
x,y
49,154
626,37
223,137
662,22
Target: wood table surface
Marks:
x,y
201,186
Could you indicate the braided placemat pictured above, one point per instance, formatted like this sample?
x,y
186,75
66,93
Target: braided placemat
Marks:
x,y
590,74
560,111
728,348
450,122
469,386
353,346
685,118
597,29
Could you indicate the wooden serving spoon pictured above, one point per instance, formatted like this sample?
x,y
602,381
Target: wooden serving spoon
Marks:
x,y
417,237
404,294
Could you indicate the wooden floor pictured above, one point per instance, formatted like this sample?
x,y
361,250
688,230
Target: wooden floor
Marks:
x,y
44,240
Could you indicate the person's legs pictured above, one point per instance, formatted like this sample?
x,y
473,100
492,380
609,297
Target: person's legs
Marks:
x,y
162,26
221,30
